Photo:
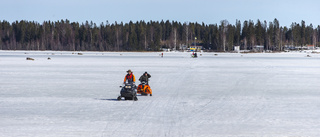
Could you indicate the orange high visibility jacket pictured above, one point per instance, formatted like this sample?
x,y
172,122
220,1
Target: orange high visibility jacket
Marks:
x,y
130,78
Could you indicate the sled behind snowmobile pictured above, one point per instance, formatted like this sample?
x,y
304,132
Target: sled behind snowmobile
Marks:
x,y
144,89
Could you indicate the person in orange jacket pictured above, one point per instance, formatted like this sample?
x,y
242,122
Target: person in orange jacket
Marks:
x,y
129,77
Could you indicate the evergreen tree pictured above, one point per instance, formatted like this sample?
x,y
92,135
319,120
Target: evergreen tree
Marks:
x,y
237,34
259,33
245,35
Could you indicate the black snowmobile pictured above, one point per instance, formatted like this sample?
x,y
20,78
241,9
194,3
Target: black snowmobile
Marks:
x,y
128,91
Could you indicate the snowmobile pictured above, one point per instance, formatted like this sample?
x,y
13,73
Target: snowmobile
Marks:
x,y
144,89
128,91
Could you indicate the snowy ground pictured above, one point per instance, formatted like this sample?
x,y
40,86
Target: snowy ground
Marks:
x,y
246,95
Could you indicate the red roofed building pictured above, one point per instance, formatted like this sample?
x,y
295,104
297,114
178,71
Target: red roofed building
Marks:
x,y
310,47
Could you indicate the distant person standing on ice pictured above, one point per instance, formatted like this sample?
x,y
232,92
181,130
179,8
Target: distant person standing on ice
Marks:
x,y
129,77
162,55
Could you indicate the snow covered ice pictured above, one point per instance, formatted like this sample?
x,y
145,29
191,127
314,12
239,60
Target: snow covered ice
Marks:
x,y
251,95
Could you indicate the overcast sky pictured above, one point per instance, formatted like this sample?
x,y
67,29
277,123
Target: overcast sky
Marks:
x,y
207,11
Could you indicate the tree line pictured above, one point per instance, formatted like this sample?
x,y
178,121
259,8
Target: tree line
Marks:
x,y
153,35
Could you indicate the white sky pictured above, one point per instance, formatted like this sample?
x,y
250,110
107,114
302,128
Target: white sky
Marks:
x,y
207,11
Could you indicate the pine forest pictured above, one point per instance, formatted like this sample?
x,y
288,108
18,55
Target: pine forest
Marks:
x,y
64,35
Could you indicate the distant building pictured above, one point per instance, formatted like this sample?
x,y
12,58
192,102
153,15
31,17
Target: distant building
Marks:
x,y
310,47
289,47
195,48
237,49
183,47
258,48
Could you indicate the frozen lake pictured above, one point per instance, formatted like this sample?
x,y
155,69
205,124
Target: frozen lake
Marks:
x,y
228,94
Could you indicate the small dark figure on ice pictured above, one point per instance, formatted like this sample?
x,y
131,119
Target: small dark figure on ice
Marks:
x,y
194,55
